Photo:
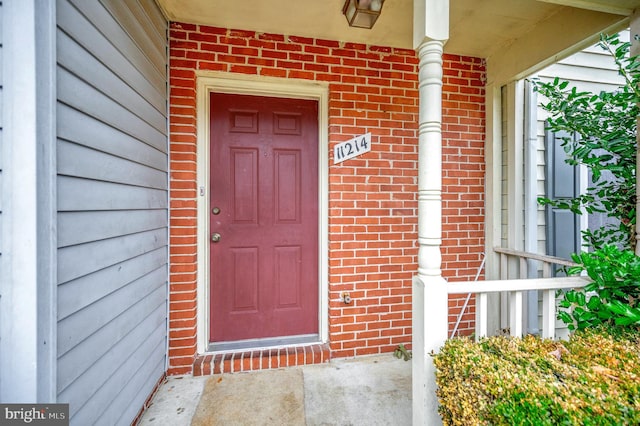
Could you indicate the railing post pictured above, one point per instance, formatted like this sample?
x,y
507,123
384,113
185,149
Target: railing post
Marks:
x,y
504,305
418,331
482,315
515,313
429,330
548,314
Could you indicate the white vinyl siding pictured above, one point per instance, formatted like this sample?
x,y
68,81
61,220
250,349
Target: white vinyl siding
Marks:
x,y
112,162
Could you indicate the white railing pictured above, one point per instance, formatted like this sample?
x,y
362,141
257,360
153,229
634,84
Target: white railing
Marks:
x,y
516,288
525,260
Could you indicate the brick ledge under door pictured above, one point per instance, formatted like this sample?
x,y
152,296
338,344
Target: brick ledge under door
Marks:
x,y
234,362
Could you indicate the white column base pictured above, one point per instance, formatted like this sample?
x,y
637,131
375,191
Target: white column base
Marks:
x,y
430,326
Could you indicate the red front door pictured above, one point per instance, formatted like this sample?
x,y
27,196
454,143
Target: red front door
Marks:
x,y
263,217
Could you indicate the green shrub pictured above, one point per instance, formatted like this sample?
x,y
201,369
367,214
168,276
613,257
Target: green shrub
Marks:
x,y
593,379
613,296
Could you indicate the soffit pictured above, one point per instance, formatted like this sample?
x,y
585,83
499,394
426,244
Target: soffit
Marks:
x,y
477,27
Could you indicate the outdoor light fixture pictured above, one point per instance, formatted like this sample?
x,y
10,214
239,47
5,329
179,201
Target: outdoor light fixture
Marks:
x,y
362,13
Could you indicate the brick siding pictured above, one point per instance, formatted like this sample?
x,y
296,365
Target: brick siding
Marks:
x,y
372,198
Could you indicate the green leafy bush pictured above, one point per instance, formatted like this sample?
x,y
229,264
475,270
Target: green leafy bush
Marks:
x,y
613,296
606,123
593,379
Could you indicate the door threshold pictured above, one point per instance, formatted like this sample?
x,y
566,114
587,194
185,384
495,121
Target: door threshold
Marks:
x,y
261,344
236,361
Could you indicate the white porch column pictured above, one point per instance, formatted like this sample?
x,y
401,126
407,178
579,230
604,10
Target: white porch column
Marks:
x,y
430,307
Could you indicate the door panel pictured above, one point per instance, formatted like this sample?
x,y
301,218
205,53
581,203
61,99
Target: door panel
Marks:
x,y
264,181
245,279
287,186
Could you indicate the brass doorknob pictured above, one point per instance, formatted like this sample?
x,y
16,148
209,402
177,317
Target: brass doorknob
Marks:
x,y
215,237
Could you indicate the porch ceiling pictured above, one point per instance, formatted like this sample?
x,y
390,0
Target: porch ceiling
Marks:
x,y
477,27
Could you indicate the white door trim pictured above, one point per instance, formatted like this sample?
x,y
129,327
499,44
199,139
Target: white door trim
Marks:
x,y
207,82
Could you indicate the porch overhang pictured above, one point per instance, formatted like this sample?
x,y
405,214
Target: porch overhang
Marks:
x,y
514,37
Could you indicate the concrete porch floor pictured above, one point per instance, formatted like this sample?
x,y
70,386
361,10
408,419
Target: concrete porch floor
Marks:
x,y
371,390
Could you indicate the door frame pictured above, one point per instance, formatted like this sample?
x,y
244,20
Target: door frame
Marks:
x,y
209,81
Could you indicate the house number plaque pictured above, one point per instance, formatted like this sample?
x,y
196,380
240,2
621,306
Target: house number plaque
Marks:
x,y
352,148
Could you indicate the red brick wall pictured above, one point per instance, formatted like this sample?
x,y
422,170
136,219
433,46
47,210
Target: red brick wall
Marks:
x,y
463,135
372,198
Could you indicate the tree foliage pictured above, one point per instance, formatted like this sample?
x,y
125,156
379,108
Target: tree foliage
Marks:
x,y
606,124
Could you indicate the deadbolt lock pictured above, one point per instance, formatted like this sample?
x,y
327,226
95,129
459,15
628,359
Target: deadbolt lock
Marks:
x,y
215,210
